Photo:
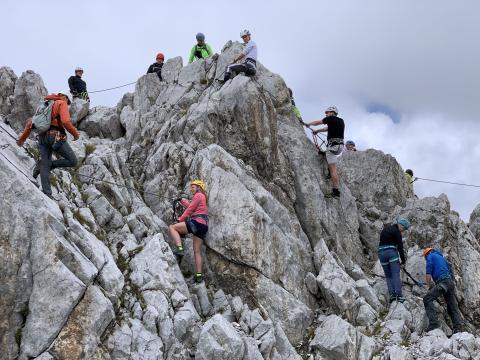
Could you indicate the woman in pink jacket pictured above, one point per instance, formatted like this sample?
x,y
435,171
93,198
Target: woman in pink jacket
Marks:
x,y
194,220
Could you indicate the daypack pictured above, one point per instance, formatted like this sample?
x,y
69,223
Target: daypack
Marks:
x,y
42,119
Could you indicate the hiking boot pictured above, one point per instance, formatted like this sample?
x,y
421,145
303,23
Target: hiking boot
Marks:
x,y
178,251
458,329
400,299
393,298
432,327
36,169
334,194
198,277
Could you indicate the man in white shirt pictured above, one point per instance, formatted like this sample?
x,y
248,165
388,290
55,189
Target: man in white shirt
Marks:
x,y
249,66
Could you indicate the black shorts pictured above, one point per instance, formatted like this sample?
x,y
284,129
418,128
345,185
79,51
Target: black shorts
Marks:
x,y
196,228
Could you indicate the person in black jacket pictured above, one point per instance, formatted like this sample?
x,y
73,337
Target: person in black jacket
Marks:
x,y
156,67
390,252
78,87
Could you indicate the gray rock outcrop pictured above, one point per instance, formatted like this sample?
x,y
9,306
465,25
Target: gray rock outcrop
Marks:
x,y
289,274
29,92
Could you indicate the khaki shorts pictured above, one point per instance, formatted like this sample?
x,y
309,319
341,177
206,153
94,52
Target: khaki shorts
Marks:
x,y
334,153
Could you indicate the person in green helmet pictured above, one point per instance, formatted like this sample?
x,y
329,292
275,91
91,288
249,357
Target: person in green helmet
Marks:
x,y
200,50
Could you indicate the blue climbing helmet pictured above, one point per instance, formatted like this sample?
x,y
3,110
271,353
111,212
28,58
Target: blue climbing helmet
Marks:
x,y
350,142
404,222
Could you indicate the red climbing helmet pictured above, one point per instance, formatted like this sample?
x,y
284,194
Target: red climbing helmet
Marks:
x,y
160,56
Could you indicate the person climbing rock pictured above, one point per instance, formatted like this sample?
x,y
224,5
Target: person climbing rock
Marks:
x,y
295,110
440,281
410,179
200,50
78,87
390,252
349,147
156,67
53,140
335,132
249,53
194,220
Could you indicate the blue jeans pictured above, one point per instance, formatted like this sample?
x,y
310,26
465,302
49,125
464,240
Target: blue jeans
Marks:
x,y
391,267
47,145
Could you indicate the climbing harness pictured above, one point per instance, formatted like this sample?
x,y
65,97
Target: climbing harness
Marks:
x,y
319,142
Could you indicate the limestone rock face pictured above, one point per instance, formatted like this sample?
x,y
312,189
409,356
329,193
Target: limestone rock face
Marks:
x,y
78,110
289,274
474,224
29,92
102,122
7,87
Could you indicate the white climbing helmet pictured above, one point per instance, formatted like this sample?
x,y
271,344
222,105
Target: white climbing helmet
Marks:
x,y
67,94
332,109
245,33
78,68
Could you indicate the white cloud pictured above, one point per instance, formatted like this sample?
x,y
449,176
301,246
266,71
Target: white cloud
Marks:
x,y
419,58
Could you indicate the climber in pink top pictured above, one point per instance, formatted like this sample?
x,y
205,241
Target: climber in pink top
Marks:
x,y
194,220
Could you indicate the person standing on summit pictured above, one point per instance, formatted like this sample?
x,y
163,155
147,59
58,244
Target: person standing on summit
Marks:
x,y
335,133
78,87
249,53
53,140
201,50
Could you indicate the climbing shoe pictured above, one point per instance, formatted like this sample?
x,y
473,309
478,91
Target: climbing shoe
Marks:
x,y
36,169
432,327
198,277
178,251
458,329
400,299
334,194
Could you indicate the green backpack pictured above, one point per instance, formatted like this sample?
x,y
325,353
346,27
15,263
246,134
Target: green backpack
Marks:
x,y
42,119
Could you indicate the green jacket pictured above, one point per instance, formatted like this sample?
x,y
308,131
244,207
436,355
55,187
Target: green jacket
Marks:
x,y
297,113
205,50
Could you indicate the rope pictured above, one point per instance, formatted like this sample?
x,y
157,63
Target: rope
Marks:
x,y
448,182
16,167
112,88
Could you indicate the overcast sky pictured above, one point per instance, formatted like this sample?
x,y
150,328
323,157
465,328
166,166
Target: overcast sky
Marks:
x,y
404,74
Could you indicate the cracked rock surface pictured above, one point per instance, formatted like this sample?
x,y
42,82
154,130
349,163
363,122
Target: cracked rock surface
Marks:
x,y
289,274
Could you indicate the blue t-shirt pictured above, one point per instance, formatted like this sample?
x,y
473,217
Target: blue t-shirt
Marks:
x,y
437,266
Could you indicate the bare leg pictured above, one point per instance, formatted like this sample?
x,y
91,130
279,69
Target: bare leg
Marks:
x,y
334,175
197,250
176,230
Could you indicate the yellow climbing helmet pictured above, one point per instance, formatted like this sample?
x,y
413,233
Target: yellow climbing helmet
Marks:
x,y
199,183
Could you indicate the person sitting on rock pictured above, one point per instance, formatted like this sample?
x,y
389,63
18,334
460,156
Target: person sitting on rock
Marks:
x,y
349,147
249,53
295,110
54,139
194,221
438,270
78,87
335,133
156,67
390,252
201,50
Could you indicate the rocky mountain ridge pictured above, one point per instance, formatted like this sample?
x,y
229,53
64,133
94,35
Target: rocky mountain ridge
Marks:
x,y
289,274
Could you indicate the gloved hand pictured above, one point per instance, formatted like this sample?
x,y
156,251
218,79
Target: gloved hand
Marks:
x,y
19,143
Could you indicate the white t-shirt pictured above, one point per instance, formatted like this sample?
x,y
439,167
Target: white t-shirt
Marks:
x,y
250,50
